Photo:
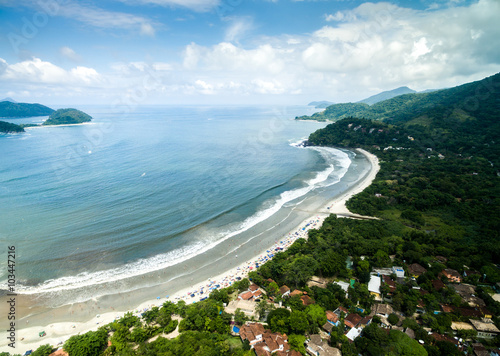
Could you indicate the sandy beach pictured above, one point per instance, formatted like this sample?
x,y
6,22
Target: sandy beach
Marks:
x,y
58,332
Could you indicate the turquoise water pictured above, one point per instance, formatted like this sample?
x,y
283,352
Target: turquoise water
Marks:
x,y
132,193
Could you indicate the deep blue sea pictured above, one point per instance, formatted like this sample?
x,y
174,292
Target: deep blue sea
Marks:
x,y
138,191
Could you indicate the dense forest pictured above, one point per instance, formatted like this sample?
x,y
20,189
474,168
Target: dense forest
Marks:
x,y
10,109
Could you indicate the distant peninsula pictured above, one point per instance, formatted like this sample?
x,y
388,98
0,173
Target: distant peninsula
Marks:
x,y
67,117
56,117
11,109
320,104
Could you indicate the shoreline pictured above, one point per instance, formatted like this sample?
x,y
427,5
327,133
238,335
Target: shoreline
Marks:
x,y
60,331
62,125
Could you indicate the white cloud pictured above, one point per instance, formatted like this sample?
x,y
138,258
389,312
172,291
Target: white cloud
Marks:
x,y
41,72
196,5
238,28
70,54
370,48
93,16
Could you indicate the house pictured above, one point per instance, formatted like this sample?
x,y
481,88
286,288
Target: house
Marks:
x,y
485,330
470,312
468,294
480,350
415,270
459,325
253,292
252,332
486,313
390,283
439,337
383,310
341,310
264,342
284,291
332,318
353,333
398,271
307,300
452,275
447,308
365,322
343,285
246,296
296,293
374,286
316,346
352,320
327,327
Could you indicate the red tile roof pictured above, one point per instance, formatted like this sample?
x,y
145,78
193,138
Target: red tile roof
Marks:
x,y
307,300
416,269
352,320
284,289
331,316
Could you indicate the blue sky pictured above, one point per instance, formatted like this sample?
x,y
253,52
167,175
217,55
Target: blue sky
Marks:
x,y
240,51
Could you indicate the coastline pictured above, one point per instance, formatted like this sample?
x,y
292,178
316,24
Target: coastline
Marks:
x,y
60,331
62,125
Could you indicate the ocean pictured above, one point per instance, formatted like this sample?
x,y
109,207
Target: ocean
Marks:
x,y
144,198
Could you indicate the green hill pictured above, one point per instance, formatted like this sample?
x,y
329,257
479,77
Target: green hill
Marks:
x,y
10,109
385,95
478,100
67,116
7,127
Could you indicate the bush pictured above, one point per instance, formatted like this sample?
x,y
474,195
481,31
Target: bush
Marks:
x,y
393,319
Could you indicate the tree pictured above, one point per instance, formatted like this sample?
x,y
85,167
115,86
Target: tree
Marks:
x,y
220,295
278,320
300,270
273,289
139,335
393,319
91,343
43,350
298,322
297,342
317,317
240,317
263,307
243,284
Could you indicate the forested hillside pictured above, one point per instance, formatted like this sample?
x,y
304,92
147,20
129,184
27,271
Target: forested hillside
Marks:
x,y
10,109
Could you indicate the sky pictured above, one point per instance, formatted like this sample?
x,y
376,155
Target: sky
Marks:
x,y
222,52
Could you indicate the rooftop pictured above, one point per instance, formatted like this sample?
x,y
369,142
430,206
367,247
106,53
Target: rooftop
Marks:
x,y
485,327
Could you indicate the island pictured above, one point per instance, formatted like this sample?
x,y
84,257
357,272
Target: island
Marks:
x,y
67,117
58,117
